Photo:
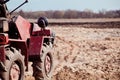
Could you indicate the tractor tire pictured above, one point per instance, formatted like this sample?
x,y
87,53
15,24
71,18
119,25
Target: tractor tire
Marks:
x,y
14,64
42,70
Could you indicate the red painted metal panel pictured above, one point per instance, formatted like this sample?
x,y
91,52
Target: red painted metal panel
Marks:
x,y
23,27
35,45
2,53
45,32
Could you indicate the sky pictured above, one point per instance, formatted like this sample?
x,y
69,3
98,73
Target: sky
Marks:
x,y
81,5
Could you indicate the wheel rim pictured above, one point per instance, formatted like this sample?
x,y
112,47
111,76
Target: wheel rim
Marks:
x,y
48,64
14,72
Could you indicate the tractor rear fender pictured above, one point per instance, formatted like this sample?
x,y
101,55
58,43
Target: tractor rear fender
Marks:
x,y
35,46
2,53
2,58
37,39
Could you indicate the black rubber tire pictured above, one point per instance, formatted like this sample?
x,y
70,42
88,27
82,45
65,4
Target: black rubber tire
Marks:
x,y
13,56
39,71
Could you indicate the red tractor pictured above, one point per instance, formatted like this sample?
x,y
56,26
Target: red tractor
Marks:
x,y
21,42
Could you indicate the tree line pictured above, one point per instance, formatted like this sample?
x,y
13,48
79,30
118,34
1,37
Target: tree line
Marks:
x,y
69,14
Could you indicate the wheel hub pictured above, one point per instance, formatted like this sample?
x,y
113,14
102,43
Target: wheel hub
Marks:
x,y
14,72
47,64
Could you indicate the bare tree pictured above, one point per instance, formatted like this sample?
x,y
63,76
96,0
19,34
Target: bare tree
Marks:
x,y
70,14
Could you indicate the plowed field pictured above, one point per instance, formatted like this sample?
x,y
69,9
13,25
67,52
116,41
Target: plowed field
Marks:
x,y
85,54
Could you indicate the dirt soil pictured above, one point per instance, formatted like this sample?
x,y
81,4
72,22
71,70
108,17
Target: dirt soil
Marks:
x,y
85,54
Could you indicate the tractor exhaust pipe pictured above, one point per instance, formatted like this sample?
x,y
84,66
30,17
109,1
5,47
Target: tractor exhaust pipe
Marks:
x,y
26,1
3,2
